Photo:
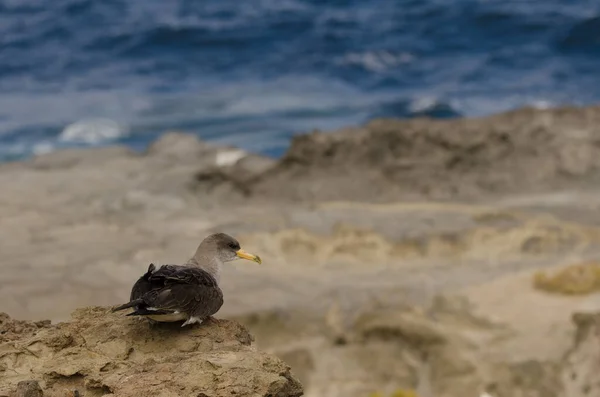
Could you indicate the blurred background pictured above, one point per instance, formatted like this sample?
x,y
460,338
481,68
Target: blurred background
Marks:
x,y
438,236
252,73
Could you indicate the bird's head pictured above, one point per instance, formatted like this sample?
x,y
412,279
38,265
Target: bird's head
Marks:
x,y
225,248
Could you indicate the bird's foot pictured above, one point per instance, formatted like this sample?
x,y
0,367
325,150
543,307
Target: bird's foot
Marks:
x,y
192,320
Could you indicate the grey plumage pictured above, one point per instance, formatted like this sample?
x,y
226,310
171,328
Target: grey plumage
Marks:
x,y
186,292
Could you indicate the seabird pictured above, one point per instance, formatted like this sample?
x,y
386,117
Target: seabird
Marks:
x,y
190,291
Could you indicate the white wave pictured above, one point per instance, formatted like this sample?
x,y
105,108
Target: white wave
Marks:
x,y
43,148
542,104
22,149
377,61
250,98
426,103
422,104
93,131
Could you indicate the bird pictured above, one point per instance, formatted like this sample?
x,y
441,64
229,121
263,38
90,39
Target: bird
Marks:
x,y
188,292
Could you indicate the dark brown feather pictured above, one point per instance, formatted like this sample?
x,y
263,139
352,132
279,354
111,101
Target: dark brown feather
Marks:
x,y
142,285
177,288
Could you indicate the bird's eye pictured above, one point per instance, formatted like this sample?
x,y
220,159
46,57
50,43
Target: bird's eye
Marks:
x,y
234,246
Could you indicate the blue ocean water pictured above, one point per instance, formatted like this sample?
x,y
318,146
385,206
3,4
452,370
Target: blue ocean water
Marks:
x,y
253,73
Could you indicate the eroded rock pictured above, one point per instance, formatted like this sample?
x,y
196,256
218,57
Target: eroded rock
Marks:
x,y
29,388
581,372
525,150
100,353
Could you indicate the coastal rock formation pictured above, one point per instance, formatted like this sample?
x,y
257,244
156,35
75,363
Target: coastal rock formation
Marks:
x,y
99,353
581,373
524,150
79,226
450,349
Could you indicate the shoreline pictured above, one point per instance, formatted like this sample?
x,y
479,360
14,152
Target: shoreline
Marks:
x,y
136,148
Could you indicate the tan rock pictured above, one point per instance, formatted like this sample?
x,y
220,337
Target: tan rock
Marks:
x,y
103,353
29,388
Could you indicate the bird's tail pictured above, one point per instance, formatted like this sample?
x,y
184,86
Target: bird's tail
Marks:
x,y
132,303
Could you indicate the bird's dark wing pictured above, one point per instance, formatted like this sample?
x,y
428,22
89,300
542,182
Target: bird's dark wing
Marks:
x,y
142,285
170,274
146,283
183,289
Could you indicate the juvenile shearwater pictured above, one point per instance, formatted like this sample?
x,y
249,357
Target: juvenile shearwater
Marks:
x,y
187,292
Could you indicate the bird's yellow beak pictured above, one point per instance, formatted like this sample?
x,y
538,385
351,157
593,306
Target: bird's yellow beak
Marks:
x,y
245,255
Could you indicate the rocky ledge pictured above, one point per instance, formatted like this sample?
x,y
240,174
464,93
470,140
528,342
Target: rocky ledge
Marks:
x,y
103,354
525,150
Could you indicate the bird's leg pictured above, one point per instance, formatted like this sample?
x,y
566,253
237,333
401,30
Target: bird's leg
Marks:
x,y
192,320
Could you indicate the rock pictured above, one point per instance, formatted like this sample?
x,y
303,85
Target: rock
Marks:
x,y
177,146
102,353
581,372
253,165
80,226
209,171
29,388
522,150
11,329
220,182
301,360
68,158
574,279
527,379
409,327
451,351
231,179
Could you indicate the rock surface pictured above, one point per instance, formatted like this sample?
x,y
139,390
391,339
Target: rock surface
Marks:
x,y
580,374
525,150
100,353
443,297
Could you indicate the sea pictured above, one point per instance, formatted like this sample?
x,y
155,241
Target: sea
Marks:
x,y
254,73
